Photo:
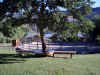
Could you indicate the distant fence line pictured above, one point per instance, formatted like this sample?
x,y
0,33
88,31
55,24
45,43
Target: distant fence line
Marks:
x,y
81,49
51,45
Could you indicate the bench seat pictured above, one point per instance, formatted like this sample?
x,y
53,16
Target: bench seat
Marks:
x,y
65,52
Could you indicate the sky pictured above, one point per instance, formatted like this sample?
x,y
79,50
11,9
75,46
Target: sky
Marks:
x,y
97,3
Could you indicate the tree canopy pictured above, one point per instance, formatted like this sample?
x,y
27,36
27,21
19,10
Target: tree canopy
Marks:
x,y
46,13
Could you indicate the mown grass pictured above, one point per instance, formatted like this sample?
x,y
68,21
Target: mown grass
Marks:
x,y
11,64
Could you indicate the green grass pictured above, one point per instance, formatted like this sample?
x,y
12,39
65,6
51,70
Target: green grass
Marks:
x,y
11,64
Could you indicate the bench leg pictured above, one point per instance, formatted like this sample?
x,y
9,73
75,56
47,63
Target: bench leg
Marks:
x,y
53,55
71,56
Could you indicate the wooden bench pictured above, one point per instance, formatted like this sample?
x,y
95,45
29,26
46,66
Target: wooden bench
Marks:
x,y
22,51
65,52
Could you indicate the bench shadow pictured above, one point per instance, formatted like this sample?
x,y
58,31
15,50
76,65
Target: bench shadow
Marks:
x,y
15,58
10,59
64,57
31,56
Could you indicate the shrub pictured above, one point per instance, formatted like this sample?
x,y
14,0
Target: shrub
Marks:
x,y
2,38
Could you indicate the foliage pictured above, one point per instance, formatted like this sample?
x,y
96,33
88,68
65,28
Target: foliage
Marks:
x,y
98,37
1,38
45,14
6,28
8,33
4,39
21,31
97,22
96,30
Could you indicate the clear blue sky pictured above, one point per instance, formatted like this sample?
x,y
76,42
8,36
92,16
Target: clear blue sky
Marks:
x,y
97,3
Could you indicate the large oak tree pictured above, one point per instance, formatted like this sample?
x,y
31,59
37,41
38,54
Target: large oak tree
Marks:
x,y
46,14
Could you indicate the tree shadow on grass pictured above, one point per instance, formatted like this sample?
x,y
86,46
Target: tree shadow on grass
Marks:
x,y
61,57
15,58
10,59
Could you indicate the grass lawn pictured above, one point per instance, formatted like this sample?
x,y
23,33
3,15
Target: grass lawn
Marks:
x,y
11,64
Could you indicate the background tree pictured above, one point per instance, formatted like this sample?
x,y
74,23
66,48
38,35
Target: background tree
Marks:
x,y
45,13
96,30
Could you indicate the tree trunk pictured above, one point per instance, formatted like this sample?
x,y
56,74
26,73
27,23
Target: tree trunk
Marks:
x,y
43,42
42,8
